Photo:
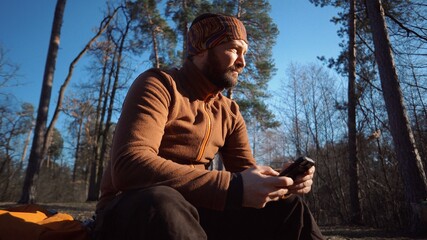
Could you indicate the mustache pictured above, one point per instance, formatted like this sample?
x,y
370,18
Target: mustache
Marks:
x,y
238,69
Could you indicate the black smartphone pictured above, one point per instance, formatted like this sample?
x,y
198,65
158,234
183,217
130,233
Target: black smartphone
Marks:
x,y
300,166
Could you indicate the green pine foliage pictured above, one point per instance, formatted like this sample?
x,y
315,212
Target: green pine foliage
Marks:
x,y
252,90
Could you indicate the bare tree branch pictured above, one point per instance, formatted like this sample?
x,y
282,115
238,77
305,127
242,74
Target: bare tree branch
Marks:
x,y
408,30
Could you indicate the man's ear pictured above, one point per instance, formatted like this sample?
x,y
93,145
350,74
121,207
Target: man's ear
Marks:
x,y
200,59
203,54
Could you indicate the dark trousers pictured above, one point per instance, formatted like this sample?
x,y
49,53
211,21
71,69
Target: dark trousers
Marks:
x,y
162,213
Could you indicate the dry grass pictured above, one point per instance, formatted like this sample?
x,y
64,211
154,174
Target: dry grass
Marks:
x,y
363,233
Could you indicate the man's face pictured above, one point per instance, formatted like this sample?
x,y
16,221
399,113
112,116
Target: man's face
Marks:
x,y
224,63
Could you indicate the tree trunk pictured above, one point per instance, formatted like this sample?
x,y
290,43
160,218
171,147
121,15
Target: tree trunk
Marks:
x,y
100,113
92,194
184,29
296,120
409,161
76,152
355,215
28,190
154,31
95,183
26,143
110,111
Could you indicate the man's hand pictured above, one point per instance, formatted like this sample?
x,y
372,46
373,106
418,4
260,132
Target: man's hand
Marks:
x,y
261,185
302,183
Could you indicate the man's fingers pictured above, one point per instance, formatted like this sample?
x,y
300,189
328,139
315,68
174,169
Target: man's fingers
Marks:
x,y
301,188
301,185
266,170
278,194
305,177
282,182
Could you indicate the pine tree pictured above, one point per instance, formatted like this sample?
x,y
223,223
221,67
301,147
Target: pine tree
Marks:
x,y
251,92
182,13
28,194
410,164
151,30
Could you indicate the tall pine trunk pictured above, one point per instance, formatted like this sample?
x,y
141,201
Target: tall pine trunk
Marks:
x,y
409,161
355,217
28,190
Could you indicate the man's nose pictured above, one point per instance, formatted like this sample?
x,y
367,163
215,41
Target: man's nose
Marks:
x,y
240,61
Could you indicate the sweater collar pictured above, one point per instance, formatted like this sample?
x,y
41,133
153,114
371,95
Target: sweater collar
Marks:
x,y
198,85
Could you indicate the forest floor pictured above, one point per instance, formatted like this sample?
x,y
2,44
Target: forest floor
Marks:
x,y
83,211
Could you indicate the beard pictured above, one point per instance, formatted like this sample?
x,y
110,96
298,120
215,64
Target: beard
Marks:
x,y
221,78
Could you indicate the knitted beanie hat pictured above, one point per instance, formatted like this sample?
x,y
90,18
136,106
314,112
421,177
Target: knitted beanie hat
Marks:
x,y
210,30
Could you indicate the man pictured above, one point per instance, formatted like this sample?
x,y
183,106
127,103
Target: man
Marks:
x,y
173,123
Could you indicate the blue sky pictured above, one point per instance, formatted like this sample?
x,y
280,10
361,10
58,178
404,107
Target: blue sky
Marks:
x,y
25,25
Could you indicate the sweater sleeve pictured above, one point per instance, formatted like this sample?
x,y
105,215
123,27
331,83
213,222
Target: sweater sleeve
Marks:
x,y
236,152
135,156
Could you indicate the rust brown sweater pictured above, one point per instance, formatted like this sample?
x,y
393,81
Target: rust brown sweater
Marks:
x,y
171,126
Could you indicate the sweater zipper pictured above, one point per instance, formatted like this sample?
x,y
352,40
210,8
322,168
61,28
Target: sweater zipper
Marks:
x,y
207,134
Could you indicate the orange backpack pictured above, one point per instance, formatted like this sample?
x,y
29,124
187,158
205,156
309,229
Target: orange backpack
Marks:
x,y
34,222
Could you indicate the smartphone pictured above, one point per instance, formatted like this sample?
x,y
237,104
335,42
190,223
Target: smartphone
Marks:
x,y
300,166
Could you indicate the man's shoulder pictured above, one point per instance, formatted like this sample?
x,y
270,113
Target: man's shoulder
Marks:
x,y
166,74
230,104
166,77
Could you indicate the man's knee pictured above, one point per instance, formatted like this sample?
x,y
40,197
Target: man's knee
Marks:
x,y
151,195
160,195
151,213
166,200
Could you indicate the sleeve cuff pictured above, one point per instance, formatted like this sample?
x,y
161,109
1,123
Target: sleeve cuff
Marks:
x,y
235,192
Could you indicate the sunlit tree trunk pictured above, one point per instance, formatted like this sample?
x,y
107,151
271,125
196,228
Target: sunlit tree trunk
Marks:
x,y
28,190
26,143
409,161
155,48
356,217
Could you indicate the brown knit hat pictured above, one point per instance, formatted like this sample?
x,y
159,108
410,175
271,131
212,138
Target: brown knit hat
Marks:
x,y
210,30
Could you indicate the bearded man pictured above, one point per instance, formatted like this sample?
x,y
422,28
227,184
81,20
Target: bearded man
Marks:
x,y
173,123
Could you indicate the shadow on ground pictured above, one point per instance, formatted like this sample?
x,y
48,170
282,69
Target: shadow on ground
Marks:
x,y
365,233
85,210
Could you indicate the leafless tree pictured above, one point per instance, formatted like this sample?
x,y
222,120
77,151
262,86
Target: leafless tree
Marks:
x,y
119,39
8,70
410,165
